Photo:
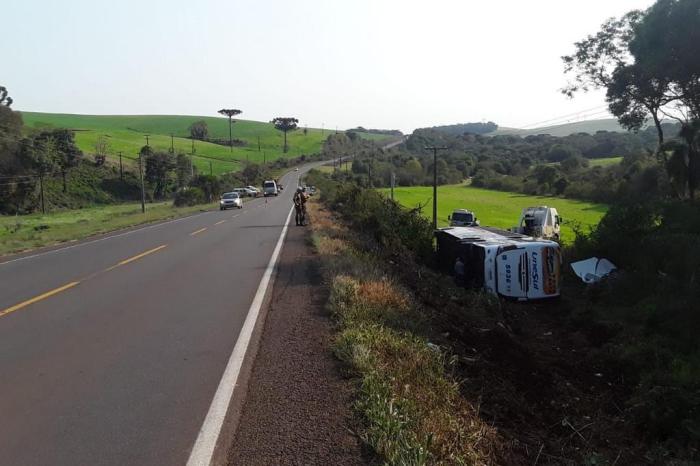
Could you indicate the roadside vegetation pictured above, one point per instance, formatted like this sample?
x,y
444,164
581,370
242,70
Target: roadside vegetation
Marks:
x,y
411,409
605,375
22,232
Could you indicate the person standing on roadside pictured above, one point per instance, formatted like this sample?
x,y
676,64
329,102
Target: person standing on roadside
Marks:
x,y
299,200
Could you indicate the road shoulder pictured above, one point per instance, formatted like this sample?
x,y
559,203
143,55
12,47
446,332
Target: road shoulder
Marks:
x,y
297,405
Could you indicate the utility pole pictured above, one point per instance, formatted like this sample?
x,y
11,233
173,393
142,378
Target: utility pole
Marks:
x,y
264,158
191,167
172,143
258,143
211,169
41,187
121,167
143,189
369,171
435,150
146,136
393,183
192,145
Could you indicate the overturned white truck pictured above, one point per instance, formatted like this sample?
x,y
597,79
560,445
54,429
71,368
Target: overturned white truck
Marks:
x,y
504,263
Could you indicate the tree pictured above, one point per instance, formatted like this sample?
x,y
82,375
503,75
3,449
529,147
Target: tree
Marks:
x,y
183,169
199,130
5,100
101,148
647,62
209,185
159,167
285,124
230,113
68,153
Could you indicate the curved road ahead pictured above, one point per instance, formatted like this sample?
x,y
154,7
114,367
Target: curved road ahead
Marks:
x,y
112,350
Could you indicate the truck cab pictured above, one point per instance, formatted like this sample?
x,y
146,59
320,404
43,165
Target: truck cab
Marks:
x,y
540,222
463,218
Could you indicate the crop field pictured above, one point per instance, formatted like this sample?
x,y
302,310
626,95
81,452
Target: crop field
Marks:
x,y
496,208
126,134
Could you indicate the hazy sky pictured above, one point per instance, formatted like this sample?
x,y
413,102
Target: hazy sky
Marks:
x,y
381,64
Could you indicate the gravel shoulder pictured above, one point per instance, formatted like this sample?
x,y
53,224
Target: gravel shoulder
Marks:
x,y
298,405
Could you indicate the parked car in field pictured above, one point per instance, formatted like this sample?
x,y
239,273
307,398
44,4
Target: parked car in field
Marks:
x,y
270,188
230,200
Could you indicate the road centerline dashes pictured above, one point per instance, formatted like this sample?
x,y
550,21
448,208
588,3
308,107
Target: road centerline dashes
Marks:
x,y
198,231
219,222
35,299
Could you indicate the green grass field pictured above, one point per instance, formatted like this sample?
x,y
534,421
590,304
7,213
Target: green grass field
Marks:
x,y
126,133
607,162
497,208
32,231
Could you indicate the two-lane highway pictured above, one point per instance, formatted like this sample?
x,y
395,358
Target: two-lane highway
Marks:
x,y
112,350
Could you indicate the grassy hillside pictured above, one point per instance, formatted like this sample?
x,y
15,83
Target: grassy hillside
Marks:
x,y
126,133
590,126
496,208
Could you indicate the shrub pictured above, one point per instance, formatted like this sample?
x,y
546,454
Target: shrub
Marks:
x,y
189,197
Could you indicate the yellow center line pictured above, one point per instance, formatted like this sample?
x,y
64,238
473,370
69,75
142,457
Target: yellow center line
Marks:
x,y
198,231
35,299
219,222
139,256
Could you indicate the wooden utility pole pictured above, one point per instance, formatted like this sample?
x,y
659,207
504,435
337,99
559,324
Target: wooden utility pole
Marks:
x,y
393,183
41,187
211,169
435,151
143,188
258,143
172,143
121,167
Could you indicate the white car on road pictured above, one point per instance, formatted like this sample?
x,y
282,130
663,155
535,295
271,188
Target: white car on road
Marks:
x,y
230,200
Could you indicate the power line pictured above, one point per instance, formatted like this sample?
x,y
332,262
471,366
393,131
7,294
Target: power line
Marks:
x,y
551,121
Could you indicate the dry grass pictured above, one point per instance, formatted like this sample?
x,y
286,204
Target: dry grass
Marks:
x,y
383,294
411,405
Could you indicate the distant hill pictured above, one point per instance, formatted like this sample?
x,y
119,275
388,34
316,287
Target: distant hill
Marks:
x,y
471,128
590,126
126,134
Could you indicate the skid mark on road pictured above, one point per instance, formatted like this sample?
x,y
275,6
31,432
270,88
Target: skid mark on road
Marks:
x,y
198,231
35,299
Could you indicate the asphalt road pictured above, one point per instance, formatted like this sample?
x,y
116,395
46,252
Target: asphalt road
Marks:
x,y
111,350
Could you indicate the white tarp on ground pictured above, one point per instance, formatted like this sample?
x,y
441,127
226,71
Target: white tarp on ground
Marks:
x,y
593,269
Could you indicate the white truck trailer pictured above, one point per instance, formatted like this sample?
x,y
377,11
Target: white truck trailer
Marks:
x,y
504,263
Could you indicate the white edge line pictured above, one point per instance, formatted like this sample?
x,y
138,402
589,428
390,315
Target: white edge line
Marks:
x,y
126,233
203,449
